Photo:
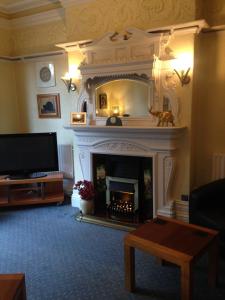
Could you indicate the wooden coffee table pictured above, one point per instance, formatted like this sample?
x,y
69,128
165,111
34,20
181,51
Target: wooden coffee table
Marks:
x,y
12,287
176,242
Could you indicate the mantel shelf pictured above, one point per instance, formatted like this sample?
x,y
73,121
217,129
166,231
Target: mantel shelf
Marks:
x,y
163,132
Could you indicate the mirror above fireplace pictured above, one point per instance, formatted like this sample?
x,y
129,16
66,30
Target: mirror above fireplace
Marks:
x,y
117,77
124,98
132,52
121,76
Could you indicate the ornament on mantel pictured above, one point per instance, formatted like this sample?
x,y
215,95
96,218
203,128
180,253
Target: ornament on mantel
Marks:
x,y
164,117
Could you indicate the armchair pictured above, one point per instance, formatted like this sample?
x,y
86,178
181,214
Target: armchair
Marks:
x,y
207,208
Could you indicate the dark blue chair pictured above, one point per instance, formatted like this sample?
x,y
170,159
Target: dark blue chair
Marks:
x,y
207,208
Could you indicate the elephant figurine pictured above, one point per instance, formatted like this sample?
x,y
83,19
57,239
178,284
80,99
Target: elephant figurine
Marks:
x,y
164,117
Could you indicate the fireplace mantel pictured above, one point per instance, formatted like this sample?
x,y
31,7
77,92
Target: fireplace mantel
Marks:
x,y
167,136
168,133
159,143
154,131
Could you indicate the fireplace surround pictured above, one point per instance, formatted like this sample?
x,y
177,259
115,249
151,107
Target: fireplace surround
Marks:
x,y
159,143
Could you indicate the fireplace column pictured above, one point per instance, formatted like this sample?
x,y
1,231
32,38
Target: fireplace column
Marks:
x,y
165,174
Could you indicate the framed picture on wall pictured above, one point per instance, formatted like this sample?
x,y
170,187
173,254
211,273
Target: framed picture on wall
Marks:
x,y
103,101
48,105
78,118
45,74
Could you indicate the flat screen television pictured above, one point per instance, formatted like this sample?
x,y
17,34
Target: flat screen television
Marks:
x,y
28,155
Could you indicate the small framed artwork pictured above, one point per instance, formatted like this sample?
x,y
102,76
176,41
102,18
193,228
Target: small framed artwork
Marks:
x,y
48,105
45,74
103,101
78,118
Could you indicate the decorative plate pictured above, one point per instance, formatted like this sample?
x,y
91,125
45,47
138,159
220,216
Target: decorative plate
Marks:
x,y
45,74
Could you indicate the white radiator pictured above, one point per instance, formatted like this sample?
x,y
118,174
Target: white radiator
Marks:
x,y
65,156
218,166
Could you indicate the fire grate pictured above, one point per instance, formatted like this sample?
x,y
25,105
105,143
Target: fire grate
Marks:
x,y
121,206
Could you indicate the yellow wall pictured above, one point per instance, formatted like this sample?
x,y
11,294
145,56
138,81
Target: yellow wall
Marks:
x,y
9,118
27,98
209,105
214,12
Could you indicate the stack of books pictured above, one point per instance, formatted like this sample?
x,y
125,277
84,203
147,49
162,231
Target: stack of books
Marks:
x,y
182,210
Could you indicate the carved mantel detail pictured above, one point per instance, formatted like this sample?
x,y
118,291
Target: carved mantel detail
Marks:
x,y
133,45
118,147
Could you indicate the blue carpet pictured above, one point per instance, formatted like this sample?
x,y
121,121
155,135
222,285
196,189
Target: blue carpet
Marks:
x,y
64,259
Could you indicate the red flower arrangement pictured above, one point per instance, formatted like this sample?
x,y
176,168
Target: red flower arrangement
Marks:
x,y
85,189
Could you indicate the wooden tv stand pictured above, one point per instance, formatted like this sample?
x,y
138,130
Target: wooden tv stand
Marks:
x,y
32,191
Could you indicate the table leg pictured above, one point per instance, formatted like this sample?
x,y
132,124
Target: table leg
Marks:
x,y
129,259
213,263
186,281
23,294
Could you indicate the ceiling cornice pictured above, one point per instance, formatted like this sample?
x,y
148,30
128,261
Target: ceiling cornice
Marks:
x,y
67,3
32,12
25,5
37,19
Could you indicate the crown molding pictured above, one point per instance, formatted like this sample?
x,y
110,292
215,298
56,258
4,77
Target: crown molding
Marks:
x,y
52,15
37,19
68,3
25,5
188,27
32,56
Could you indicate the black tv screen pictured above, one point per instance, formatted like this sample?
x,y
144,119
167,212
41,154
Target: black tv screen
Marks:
x,y
24,154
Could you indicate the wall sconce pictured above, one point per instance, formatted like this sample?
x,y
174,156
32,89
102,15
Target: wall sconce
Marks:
x,y
182,67
71,86
183,76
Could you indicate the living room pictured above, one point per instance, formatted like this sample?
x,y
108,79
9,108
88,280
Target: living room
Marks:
x,y
36,34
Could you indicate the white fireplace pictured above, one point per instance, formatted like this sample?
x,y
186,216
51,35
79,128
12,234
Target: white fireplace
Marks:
x,y
130,71
159,143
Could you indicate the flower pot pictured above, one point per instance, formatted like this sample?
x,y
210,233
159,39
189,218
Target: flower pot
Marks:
x,y
87,206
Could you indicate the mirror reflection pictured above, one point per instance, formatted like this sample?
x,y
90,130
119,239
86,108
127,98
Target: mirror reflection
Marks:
x,y
123,97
